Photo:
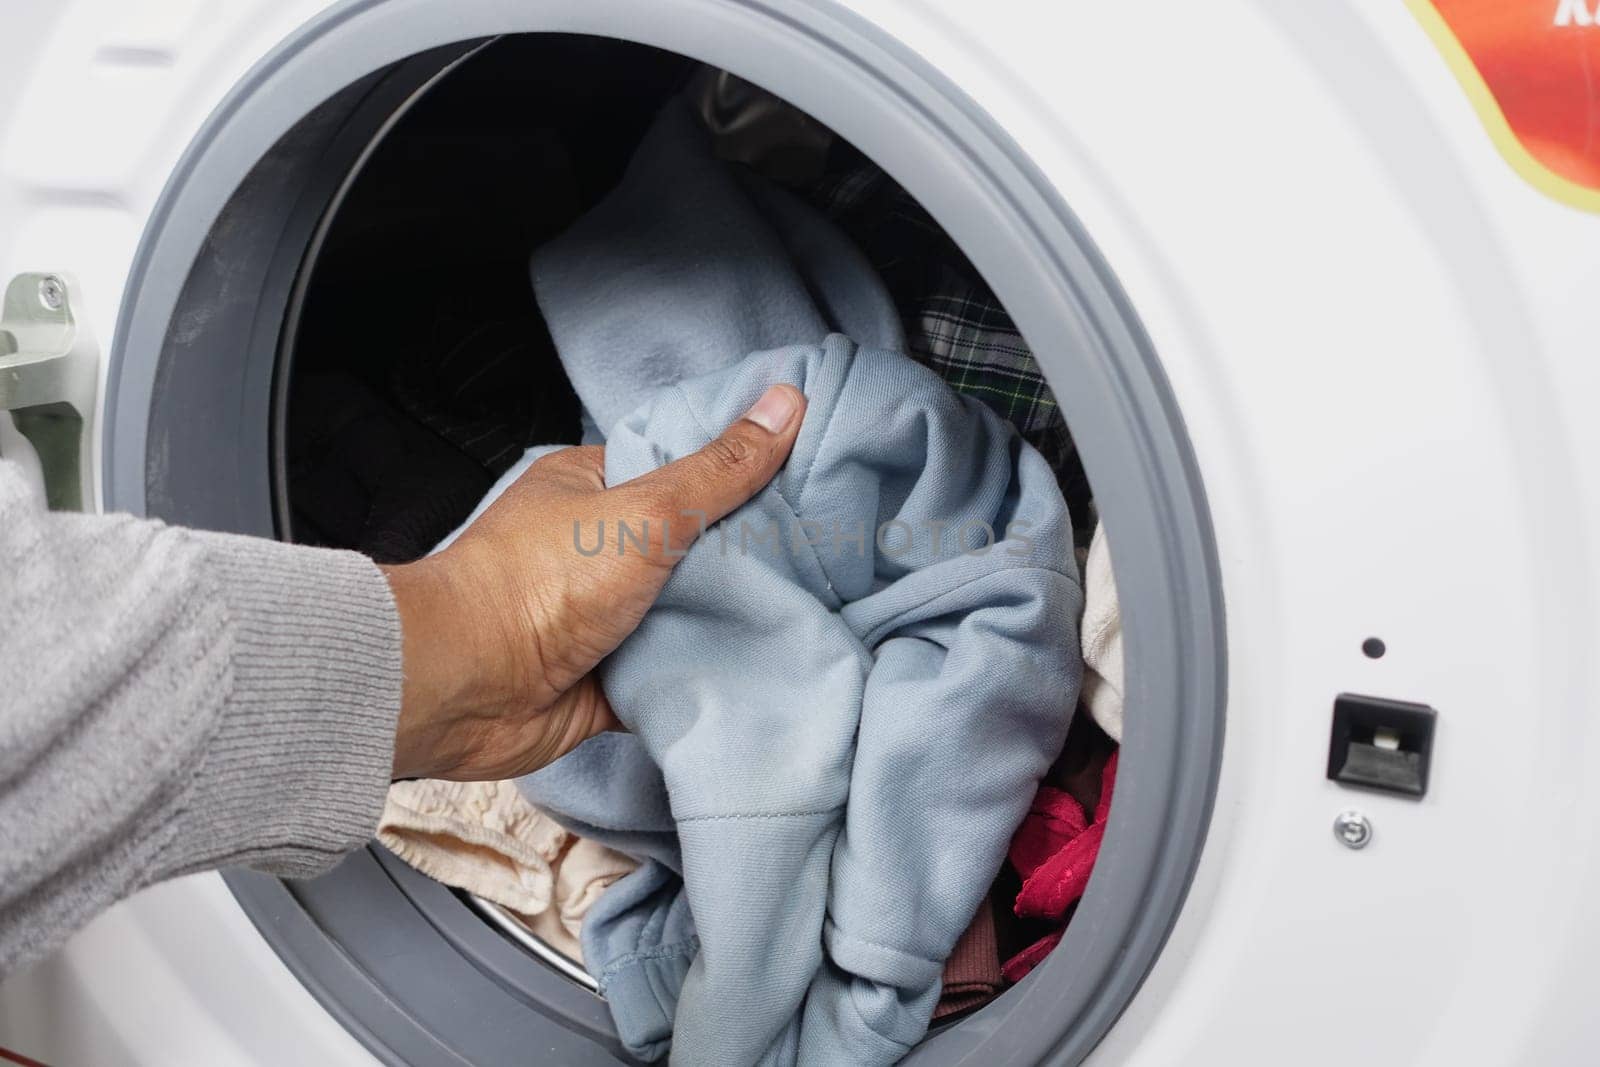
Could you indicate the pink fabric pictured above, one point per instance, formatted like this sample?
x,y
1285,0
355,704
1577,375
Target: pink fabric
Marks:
x,y
1054,851
972,973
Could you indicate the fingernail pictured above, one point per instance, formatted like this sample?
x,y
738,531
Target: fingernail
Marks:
x,y
774,410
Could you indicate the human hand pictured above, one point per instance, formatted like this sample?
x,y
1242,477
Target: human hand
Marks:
x,y
501,630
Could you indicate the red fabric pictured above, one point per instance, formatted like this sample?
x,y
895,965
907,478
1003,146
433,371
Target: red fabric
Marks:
x,y
1029,958
1054,851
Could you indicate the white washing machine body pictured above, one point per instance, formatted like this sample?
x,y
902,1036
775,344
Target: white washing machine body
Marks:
x,y
1382,341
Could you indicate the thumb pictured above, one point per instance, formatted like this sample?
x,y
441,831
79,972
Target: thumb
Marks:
x,y
726,472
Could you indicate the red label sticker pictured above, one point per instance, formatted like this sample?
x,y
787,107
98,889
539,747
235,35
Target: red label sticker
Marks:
x,y
1532,69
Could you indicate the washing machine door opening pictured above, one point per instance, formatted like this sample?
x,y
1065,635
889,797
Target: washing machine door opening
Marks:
x,y
270,199
390,425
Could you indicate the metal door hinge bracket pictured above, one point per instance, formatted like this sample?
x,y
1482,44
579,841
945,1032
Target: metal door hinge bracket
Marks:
x,y
48,371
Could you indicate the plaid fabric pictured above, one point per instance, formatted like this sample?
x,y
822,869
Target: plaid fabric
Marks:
x,y
492,388
479,369
953,322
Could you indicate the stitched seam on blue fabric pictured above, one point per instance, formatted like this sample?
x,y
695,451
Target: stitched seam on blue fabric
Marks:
x,y
687,947
873,637
827,429
694,415
854,990
762,815
811,550
887,948
795,508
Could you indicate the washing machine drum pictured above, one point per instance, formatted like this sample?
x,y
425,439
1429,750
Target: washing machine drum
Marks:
x,y
269,197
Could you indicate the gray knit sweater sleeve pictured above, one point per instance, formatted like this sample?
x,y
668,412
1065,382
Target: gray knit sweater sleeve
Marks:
x,y
172,701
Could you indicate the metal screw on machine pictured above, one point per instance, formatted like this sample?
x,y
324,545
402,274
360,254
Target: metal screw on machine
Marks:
x,y
52,292
1352,829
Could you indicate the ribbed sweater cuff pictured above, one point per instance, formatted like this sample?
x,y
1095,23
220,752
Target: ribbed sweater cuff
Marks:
x,y
296,772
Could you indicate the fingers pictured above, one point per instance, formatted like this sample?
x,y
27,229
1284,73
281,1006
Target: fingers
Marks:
x,y
728,471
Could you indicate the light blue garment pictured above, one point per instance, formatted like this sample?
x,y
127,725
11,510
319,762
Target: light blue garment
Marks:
x,y
832,738
678,273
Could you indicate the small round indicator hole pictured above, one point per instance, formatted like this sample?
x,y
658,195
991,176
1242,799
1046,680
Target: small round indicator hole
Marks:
x,y
1374,647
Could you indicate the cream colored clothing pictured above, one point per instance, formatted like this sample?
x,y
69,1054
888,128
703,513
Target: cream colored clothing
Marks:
x,y
1102,639
485,838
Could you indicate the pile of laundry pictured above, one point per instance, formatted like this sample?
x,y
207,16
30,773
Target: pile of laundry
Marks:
x,y
796,852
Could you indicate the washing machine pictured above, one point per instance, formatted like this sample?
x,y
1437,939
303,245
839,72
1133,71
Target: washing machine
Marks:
x,y
1317,286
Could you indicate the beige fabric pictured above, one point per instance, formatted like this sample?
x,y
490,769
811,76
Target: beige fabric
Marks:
x,y
485,838
1102,639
